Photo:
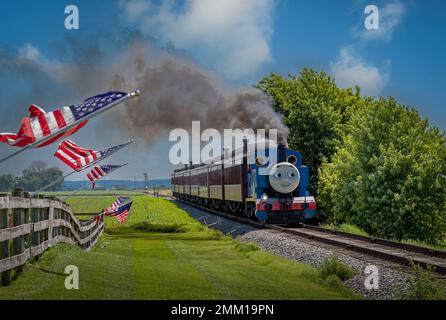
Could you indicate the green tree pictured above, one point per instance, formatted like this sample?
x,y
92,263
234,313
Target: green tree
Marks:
x,y
6,182
316,112
39,175
389,176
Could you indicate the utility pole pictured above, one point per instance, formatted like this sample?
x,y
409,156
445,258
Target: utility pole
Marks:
x,y
146,179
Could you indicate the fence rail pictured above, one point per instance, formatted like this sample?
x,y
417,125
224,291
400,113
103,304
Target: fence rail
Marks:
x,y
29,226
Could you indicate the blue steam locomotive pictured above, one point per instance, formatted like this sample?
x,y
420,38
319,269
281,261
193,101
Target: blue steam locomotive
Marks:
x,y
274,193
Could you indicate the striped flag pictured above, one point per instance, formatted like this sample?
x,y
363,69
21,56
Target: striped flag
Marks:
x,y
115,205
123,212
43,128
75,156
101,171
80,158
99,218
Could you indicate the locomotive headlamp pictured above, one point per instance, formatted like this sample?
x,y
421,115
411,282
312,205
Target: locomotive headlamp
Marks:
x,y
264,198
260,161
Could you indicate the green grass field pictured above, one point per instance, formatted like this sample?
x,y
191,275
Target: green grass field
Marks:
x,y
92,193
162,253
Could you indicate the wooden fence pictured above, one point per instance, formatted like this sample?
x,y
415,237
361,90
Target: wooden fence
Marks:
x,y
29,226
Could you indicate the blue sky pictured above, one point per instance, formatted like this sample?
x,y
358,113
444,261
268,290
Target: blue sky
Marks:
x,y
241,41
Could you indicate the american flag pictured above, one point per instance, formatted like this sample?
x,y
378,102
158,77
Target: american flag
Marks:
x,y
43,128
123,212
115,205
80,158
99,218
75,156
107,152
100,171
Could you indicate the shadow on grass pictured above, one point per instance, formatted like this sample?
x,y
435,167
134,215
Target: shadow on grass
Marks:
x,y
161,228
149,227
167,236
52,272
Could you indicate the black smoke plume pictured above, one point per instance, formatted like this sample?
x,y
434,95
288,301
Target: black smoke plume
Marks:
x,y
175,90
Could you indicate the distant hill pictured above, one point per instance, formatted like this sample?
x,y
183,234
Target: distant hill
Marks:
x,y
117,184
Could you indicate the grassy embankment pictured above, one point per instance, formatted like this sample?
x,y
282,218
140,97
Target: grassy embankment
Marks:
x,y
162,253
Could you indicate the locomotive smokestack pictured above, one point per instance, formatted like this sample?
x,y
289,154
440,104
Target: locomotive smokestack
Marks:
x,y
283,141
281,153
283,145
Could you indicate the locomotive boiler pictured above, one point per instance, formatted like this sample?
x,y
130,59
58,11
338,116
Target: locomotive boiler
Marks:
x,y
245,183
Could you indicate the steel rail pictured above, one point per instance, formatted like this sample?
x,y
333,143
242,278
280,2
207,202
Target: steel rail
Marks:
x,y
367,246
390,243
397,252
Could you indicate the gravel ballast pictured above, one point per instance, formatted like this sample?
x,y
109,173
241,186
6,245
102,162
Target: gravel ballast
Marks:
x,y
301,250
295,249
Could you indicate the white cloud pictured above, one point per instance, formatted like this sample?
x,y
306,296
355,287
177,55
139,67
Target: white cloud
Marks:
x,y
29,52
135,8
233,36
350,70
391,16
54,68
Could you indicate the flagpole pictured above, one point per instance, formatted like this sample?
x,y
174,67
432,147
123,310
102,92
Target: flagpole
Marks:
x,y
53,183
111,171
93,114
15,153
70,195
105,157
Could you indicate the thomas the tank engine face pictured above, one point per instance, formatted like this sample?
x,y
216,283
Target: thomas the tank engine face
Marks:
x,y
284,177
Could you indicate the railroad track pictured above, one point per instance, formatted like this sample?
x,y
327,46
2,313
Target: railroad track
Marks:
x,y
397,252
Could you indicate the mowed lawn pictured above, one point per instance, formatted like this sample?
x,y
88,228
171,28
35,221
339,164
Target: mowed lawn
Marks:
x,y
162,253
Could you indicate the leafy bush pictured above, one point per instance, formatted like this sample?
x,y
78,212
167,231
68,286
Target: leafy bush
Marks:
x,y
333,266
389,177
423,285
316,112
373,163
334,282
246,246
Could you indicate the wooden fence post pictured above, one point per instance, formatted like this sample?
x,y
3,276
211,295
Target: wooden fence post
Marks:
x,y
41,214
4,246
50,220
90,231
18,218
35,235
26,220
25,212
